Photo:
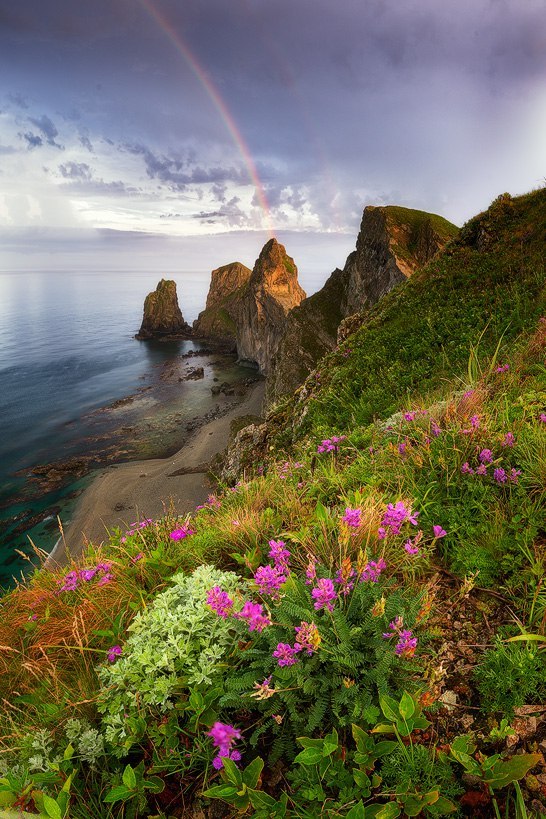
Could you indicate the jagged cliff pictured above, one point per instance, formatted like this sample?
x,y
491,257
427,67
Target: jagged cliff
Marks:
x,y
218,319
392,243
162,316
272,291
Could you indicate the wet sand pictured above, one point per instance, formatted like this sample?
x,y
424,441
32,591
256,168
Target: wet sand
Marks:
x,y
128,492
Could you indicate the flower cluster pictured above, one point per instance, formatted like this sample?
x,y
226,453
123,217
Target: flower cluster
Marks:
x,y
407,643
113,653
352,518
71,581
307,637
211,502
331,444
285,654
372,571
269,579
135,527
485,458
254,615
181,533
223,737
503,368
286,469
263,689
324,594
219,601
394,518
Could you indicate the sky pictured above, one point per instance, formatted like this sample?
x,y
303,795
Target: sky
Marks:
x,y
183,133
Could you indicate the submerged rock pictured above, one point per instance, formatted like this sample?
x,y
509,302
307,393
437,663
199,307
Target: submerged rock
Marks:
x,y
162,316
272,291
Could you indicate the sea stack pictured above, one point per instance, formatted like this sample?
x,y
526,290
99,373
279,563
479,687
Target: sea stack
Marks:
x,y
162,316
272,291
392,244
218,321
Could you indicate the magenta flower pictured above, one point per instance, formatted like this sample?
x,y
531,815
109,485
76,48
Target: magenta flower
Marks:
x,y
481,469
137,557
503,368
352,517
372,571
509,439
279,554
311,571
105,579
475,421
269,579
223,737
402,446
324,594
285,654
439,532
466,469
499,475
435,429
113,653
330,444
220,602
307,637
406,645
254,615
514,475
69,582
394,518
485,456
87,574
542,417
180,534
409,416
410,548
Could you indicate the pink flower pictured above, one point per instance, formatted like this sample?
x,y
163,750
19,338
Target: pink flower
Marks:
x,y
499,475
466,469
269,579
223,736
503,368
409,416
439,532
311,571
485,456
105,579
372,571
113,653
180,534
352,517
279,554
254,616
509,439
324,594
137,557
285,654
410,548
219,601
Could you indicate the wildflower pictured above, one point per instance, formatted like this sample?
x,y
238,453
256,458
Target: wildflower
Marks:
x,y
324,594
344,576
311,571
395,627
180,534
285,654
269,579
137,557
485,456
410,548
466,469
254,615
439,532
372,571
475,421
279,554
263,690
352,517
509,439
223,737
402,446
499,475
542,417
87,574
503,368
394,517
104,567
409,416
105,579
435,429
69,582
219,601
406,645
481,469
307,637
514,475
113,653
330,444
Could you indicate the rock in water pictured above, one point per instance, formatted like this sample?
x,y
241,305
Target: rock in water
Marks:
x,y
392,243
272,291
162,316
218,319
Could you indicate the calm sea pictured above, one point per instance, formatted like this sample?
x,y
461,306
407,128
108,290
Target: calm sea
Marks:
x,y
67,353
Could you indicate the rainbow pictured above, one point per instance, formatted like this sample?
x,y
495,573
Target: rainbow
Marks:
x,y
214,95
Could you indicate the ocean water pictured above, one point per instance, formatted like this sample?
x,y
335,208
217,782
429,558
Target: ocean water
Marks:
x,y
67,355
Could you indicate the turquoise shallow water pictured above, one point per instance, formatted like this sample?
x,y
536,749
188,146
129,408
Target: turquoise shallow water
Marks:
x,y
67,354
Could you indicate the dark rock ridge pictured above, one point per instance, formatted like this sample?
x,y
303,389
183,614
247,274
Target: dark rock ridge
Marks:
x,y
162,316
272,291
218,320
392,243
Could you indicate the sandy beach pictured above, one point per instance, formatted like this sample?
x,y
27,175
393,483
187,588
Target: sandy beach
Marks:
x,y
128,492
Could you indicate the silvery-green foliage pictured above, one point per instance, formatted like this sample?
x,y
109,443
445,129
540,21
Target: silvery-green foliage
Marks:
x,y
87,741
176,643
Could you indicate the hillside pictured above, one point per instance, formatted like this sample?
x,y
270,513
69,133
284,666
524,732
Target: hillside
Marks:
x,y
356,628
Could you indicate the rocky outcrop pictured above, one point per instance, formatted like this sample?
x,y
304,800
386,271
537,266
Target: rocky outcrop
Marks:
x,y
392,243
272,291
218,320
162,316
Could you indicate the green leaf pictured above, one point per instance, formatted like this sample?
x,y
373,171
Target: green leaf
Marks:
x,y
310,756
383,728
117,793
306,742
505,772
51,807
129,778
360,736
251,773
444,806
406,706
539,637
68,752
389,811
226,792
384,747
362,781
463,744
330,743
358,811
259,799
154,784
389,708
232,772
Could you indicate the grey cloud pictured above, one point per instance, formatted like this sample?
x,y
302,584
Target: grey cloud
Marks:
x,y
18,100
47,128
177,173
33,140
86,142
76,170
230,213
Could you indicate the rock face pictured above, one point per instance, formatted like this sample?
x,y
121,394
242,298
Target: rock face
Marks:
x,y
162,317
218,319
392,243
272,291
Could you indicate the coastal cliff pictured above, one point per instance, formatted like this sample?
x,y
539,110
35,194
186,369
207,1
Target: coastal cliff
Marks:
x,y
218,320
272,291
162,315
392,243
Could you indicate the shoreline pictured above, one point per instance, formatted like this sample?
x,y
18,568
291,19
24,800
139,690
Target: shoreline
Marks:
x,y
126,492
